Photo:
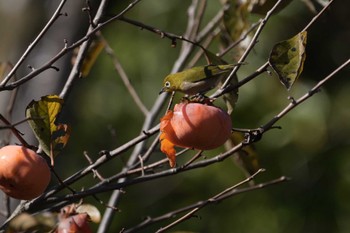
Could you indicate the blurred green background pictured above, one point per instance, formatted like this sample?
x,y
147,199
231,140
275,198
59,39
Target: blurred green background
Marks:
x,y
312,148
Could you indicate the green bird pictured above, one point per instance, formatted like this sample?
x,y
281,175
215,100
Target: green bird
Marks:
x,y
197,80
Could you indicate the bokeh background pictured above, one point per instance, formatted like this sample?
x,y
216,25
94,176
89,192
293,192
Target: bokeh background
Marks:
x,y
312,148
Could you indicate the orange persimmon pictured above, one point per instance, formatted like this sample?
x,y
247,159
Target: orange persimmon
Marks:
x,y
193,125
23,173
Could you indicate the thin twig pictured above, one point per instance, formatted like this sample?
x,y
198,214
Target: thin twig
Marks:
x,y
11,126
259,71
242,38
95,172
194,158
317,16
14,131
173,37
147,168
149,151
118,67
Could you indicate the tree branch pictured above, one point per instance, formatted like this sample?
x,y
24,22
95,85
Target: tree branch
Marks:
x,y
54,17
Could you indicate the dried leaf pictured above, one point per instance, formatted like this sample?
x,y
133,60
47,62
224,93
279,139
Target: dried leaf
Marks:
x,y
287,59
43,113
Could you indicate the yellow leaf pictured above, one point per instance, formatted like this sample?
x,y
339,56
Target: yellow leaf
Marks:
x,y
43,113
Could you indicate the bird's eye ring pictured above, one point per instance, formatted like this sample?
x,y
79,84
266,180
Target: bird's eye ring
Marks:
x,y
167,84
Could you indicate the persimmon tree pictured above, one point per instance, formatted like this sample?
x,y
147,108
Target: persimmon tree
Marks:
x,y
130,156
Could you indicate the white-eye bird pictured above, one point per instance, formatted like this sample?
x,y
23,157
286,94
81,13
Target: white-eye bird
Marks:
x,y
197,80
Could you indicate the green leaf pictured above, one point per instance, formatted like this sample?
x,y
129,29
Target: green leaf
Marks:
x,y
43,113
287,59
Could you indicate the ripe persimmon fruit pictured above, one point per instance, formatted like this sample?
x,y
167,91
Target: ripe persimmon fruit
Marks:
x,y
193,125
23,173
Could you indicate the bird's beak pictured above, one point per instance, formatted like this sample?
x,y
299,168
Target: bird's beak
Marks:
x,y
162,90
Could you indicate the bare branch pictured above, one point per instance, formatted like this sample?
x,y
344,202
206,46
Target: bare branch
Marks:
x,y
54,17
